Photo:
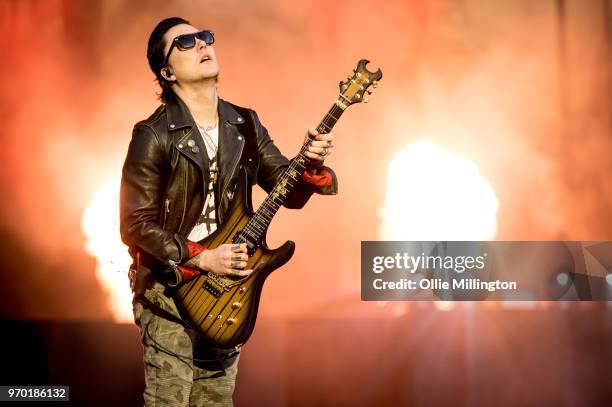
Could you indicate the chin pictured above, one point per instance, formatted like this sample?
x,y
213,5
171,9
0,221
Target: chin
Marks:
x,y
211,73
216,76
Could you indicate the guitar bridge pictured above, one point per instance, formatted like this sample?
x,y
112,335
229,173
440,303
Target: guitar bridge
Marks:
x,y
214,285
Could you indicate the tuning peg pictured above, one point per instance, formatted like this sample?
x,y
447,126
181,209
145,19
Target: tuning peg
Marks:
x,y
369,91
365,100
375,84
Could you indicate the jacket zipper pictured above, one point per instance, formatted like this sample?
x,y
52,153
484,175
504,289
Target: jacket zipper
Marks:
x,y
184,203
166,212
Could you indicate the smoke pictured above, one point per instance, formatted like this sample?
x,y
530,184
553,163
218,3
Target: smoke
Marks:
x,y
480,79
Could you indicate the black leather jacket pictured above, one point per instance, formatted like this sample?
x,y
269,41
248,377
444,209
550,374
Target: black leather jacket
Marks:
x,y
165,177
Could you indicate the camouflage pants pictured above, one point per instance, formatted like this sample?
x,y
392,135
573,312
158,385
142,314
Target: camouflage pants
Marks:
x,y
172,377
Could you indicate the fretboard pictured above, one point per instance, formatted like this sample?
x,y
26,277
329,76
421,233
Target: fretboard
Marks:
x,y
257,226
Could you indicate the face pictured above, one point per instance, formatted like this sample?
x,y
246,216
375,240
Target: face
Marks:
x,y
190,65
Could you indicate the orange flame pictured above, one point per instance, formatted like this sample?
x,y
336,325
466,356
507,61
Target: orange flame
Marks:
x,y
100,224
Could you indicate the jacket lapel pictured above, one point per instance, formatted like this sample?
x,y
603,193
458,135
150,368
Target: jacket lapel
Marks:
x,y
190,143
231,144
188,139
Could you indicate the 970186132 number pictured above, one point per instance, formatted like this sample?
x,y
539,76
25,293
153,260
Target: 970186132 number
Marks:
x,y
39,393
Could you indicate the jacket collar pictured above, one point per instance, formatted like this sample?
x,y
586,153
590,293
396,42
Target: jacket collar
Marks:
x,y
228,113
231,141
179,117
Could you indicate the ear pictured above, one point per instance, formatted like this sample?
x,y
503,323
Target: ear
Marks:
x,y
168,74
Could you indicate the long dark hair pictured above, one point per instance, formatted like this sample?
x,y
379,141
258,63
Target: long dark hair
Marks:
x,y
155,55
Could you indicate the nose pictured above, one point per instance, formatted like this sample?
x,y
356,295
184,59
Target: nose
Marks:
x,y
200,43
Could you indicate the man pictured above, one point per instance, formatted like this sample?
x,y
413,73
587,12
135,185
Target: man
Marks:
x,y
177,183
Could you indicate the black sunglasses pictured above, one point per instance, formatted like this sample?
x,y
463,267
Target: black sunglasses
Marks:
x,y
188,41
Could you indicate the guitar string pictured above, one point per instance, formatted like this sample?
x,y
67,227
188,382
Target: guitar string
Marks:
x,y
254,229
266,204
335,109
251,226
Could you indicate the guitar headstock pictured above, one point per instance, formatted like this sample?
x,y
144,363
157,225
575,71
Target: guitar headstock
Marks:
x,y
353,89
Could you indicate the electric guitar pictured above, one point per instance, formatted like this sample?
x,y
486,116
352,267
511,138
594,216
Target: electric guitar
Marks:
x,y
224,308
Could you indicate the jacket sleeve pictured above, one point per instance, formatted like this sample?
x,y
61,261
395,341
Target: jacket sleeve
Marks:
x,y
272,164
141,197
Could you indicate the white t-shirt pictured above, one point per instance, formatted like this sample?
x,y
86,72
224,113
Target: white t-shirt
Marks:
x,y
207,222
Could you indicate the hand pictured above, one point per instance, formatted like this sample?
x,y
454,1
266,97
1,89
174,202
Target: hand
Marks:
x,y
319,148
227,259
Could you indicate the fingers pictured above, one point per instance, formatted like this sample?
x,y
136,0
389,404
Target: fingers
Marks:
x,y
320,149
239,257
320,145
313,134
241,273
239,247
318,153
324,137
236,268
316,157
235,259
236,272
237,264
230,259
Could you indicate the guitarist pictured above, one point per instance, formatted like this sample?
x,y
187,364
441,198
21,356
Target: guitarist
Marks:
x,y
176,186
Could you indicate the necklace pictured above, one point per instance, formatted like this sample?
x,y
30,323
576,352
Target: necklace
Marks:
x,y
208,138
210,126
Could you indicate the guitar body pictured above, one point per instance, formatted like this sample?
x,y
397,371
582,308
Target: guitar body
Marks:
x,y
223,308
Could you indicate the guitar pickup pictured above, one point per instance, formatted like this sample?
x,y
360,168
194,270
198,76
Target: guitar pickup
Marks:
x,y
213,289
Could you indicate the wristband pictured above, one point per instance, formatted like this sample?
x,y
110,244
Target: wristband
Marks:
x,y
323,179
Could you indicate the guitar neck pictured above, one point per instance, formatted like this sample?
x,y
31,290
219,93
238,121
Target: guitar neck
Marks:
x,y
288,180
